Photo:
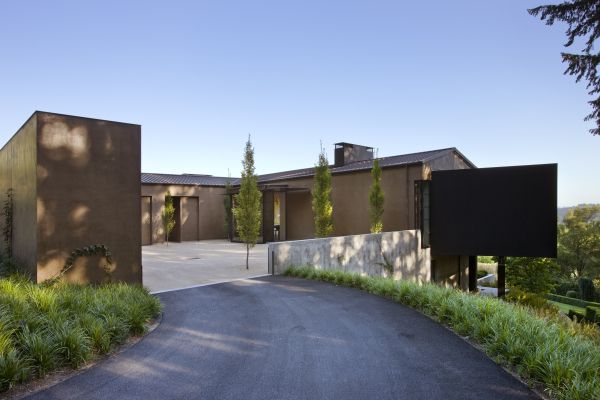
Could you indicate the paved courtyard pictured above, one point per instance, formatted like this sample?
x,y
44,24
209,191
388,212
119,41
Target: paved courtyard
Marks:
x,y
187,264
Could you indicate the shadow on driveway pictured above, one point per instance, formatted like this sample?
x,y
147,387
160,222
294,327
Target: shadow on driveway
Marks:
x,y
287,338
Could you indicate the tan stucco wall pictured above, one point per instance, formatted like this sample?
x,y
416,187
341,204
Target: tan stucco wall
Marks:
x,y
450,161
18,171
88,192
146,225
211,212
189,218
451,271
299,218
350,196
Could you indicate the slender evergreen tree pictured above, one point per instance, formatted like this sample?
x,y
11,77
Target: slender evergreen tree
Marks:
x,y
321,198
583,20
248,203
168,216
376,199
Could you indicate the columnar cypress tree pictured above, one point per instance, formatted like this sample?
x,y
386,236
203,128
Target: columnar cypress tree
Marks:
x,y
248,202
321,198
168,216
376,199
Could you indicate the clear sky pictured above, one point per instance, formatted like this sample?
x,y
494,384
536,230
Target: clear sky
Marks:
x,y
199,76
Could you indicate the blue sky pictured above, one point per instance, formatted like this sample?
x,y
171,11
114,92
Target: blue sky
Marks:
x,y
482,76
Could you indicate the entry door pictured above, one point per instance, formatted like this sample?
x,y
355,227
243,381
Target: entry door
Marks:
x,y
146,220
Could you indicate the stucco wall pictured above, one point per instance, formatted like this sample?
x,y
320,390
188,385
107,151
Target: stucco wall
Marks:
x,y
363,254
189,218
211,211
146,224
18,171
350,196
450,161
451,271
299,218
88,192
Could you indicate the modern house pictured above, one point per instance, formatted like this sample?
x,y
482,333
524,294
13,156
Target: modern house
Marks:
x,y
75,182
287,210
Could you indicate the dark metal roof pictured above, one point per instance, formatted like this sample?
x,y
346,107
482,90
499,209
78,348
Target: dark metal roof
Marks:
x,y
384,162
392,161
184,179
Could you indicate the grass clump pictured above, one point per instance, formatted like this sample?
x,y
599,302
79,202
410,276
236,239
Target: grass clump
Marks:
x,y
45,327
544,347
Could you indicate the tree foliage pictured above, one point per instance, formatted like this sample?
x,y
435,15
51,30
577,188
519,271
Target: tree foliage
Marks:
x,y
321,198
579,241
583,20
168,216
247,208
532,275
376,199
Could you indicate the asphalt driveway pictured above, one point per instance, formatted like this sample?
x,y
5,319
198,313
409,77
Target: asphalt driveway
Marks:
x,y
287,338
188,264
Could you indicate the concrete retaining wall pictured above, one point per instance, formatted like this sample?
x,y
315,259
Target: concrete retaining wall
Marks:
x,y
363,254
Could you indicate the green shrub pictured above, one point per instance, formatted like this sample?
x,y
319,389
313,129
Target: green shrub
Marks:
x,y
47,327
592,313
563,286
99,335
541,345
572,294
531,275
41,348
572,301
13,369
481,273
532,300
117,328
586,289
73,345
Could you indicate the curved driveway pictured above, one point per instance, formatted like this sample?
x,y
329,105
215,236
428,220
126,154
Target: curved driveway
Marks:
x,y
287,338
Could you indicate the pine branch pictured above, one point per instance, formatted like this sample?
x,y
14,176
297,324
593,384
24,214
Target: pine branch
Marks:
x,y
583,20
582,16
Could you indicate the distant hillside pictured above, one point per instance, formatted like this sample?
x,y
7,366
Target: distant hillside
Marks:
x,y
562,211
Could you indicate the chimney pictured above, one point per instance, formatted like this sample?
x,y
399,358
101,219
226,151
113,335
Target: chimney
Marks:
x,y
346,153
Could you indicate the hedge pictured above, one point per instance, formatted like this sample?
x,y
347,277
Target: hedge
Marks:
x,y
571,301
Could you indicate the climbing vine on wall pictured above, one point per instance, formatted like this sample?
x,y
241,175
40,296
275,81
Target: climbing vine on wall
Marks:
x,y
7,230
88,251
386,263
